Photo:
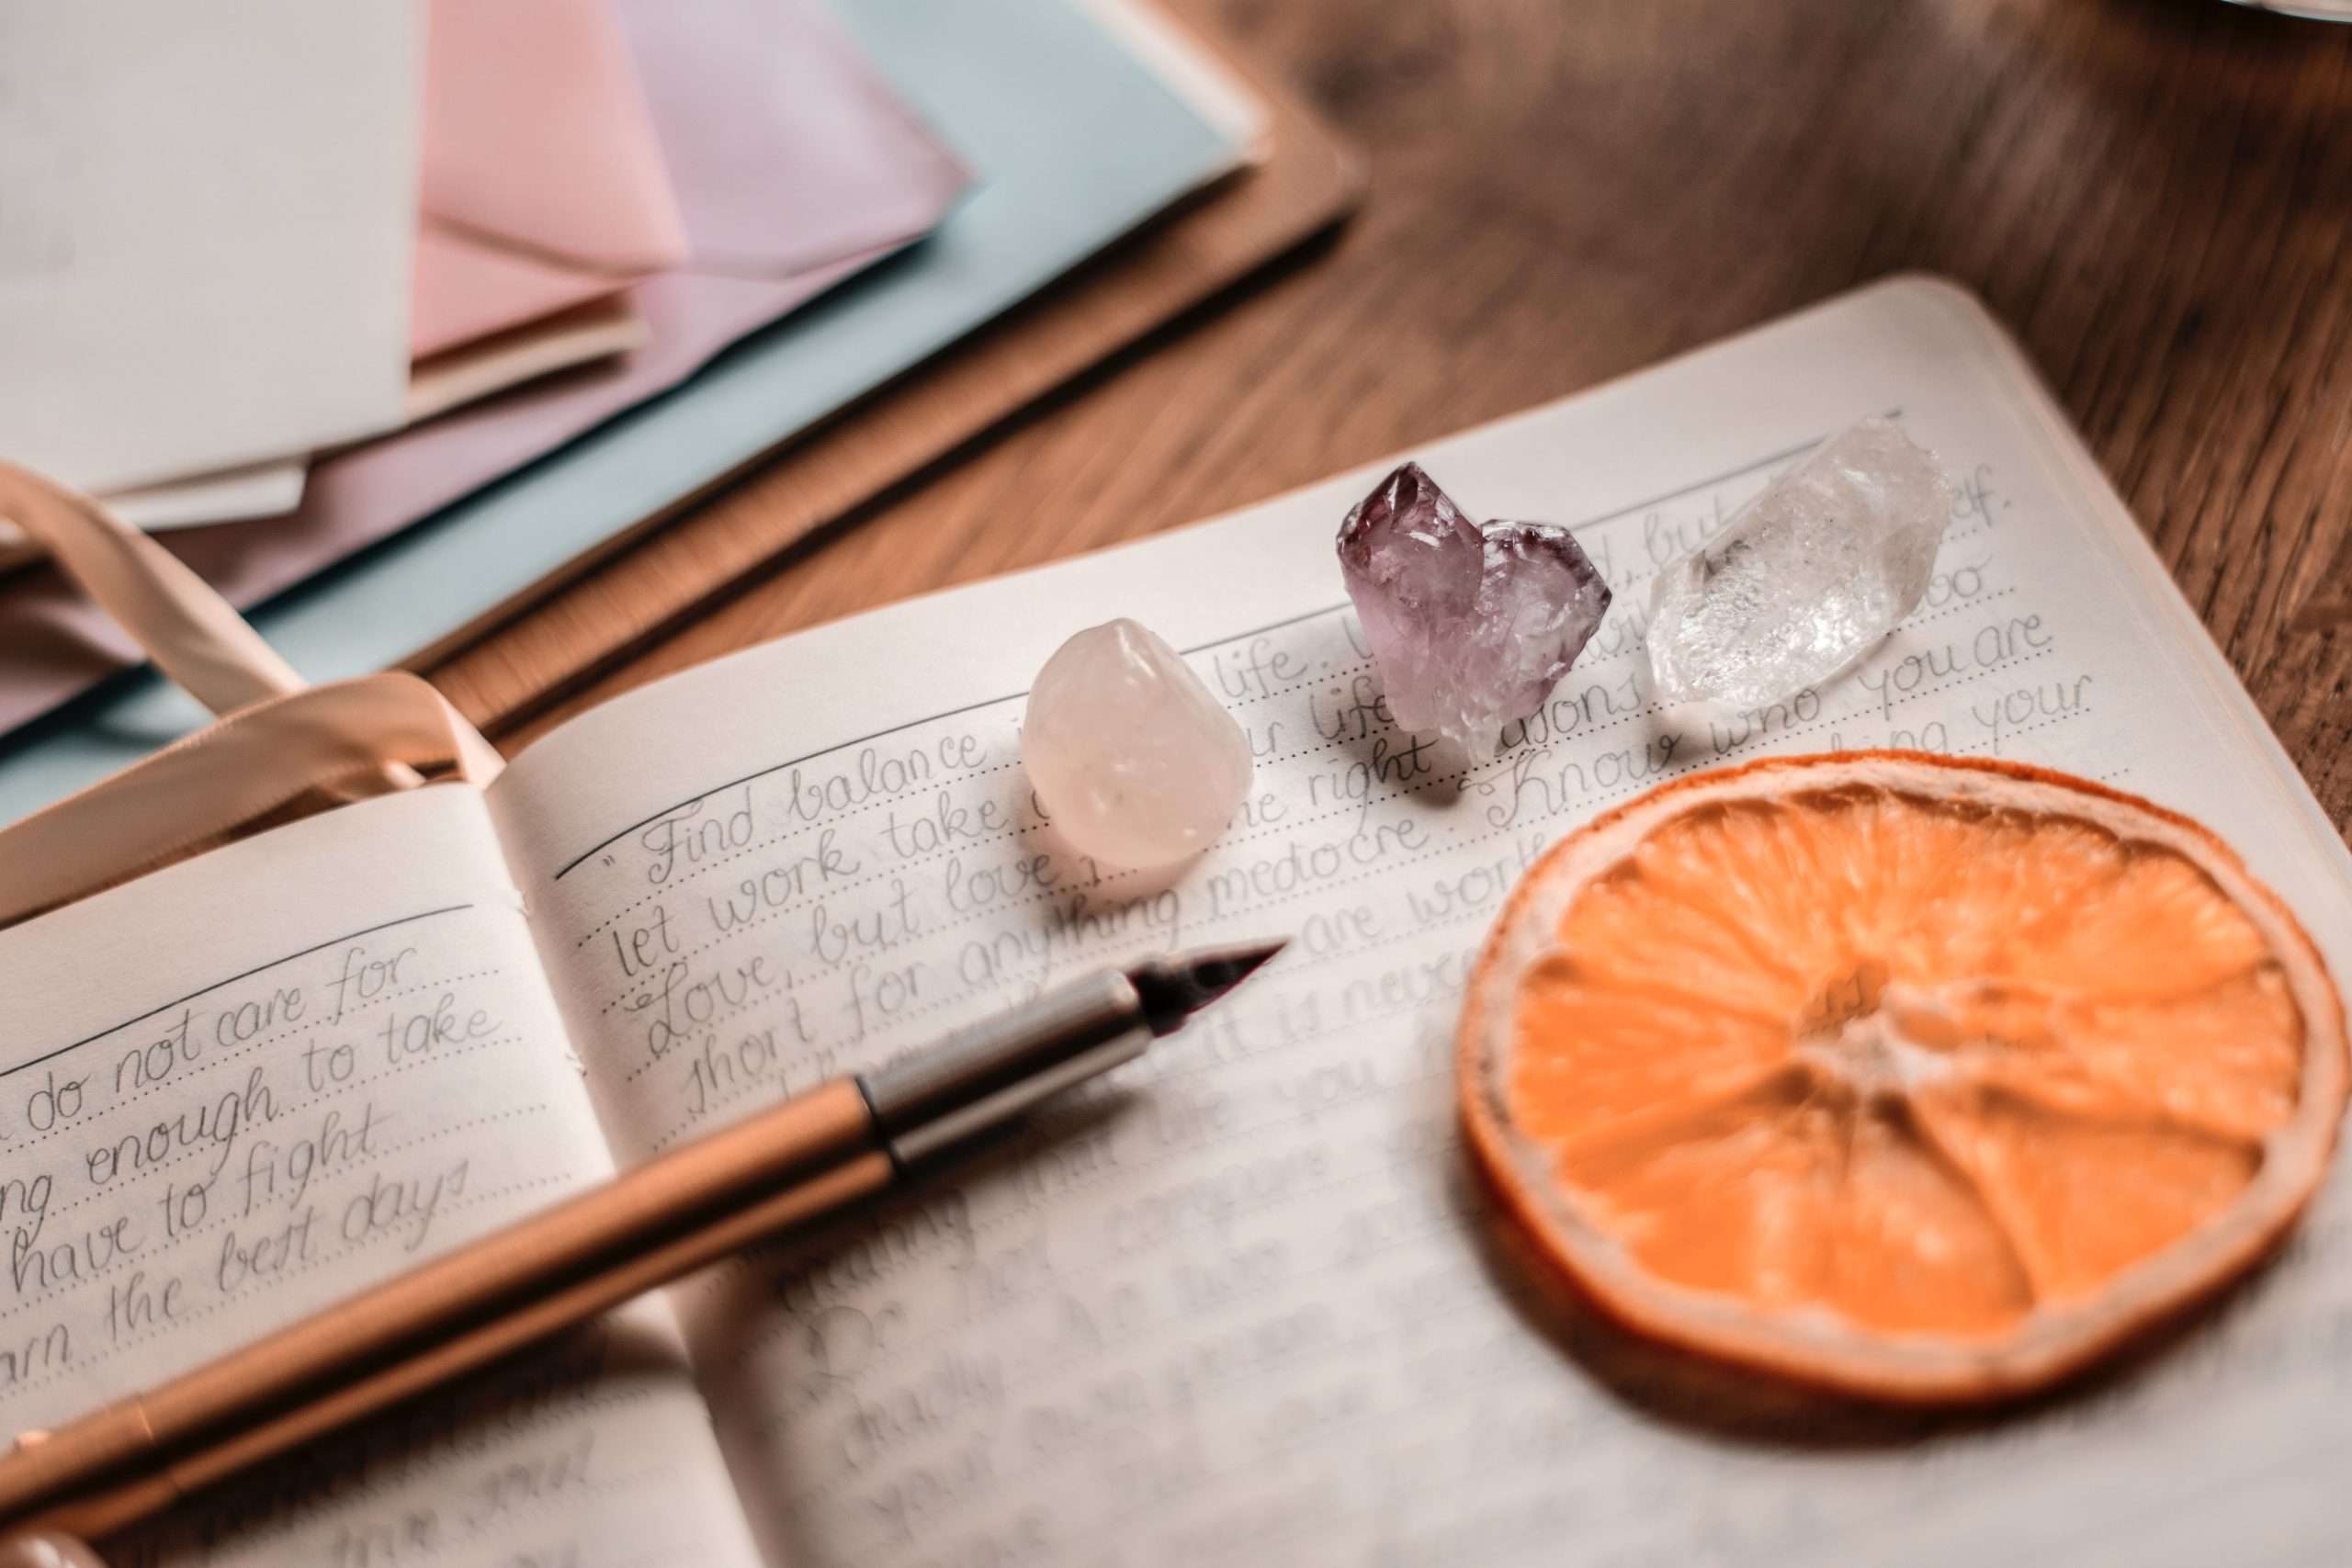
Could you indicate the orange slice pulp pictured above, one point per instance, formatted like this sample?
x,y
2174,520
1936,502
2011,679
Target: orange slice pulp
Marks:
x,y
1920,1078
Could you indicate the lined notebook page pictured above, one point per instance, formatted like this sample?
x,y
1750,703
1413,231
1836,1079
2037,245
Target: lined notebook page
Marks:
x,y
240,1089
1246,1303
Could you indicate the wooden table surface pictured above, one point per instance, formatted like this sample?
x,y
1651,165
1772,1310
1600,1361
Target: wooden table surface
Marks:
x,y
2154,195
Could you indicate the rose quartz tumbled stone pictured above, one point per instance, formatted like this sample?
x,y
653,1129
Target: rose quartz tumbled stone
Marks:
x,y
1130,754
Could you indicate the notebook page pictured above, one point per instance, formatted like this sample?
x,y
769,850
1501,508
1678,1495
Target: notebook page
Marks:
x,y
240,1089
1245,1303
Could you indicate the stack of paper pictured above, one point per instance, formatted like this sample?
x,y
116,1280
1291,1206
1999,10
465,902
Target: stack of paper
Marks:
x,y
803,142
501,187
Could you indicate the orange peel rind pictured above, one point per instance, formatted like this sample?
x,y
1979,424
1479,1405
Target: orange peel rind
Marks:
x,y
1923,1079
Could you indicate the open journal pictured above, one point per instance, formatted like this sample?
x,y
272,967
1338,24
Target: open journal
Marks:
x,y
1243,1303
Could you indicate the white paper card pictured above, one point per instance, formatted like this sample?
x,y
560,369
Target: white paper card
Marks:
x,y
232,495
205,248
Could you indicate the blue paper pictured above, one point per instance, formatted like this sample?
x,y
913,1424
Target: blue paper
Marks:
x,y
1074,144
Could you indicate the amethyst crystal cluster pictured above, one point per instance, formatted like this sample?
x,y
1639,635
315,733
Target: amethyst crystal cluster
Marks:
x,y
1469,627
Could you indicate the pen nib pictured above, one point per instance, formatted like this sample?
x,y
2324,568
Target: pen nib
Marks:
x,y
1174,989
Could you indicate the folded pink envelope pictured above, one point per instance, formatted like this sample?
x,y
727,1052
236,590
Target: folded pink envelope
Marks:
x,y
542,183
766,111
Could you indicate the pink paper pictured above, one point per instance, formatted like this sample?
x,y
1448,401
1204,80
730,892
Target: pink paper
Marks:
x,y
744,176
543,184
835,203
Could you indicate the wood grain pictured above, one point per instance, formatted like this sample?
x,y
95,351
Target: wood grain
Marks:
x,y
2154,195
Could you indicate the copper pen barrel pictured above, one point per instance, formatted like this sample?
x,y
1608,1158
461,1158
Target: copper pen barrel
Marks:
x,y
546,1270
782,1168
92,1515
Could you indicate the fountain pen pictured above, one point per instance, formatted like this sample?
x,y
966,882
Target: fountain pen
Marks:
x,y
799,1160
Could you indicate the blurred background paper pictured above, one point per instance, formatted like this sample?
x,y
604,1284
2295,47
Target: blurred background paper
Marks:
x,y
714,73
255,489
1207,83
743,85
541,197
207,253
1074,138
543,184
793,158
481,367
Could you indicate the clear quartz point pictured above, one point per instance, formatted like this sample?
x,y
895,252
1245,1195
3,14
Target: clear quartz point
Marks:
x,y
1470,627
1132,757
1807,578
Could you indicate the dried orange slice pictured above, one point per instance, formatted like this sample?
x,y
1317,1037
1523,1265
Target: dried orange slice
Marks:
x,y
1924,1079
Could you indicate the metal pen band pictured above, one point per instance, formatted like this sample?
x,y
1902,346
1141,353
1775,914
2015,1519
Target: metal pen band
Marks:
x,y
991,1071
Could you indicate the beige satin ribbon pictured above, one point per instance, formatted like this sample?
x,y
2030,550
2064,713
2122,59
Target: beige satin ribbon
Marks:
x,y
194,635
277,741
47,1551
